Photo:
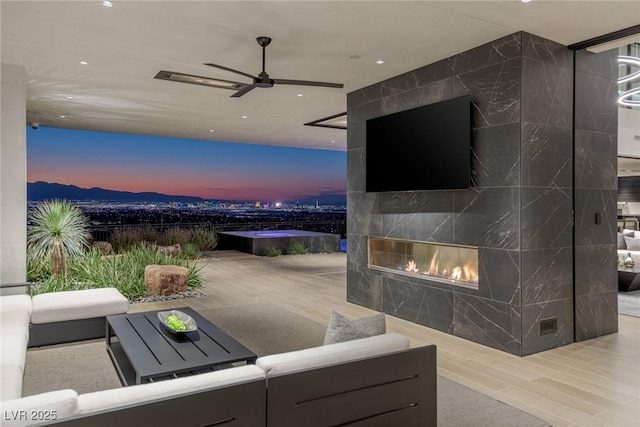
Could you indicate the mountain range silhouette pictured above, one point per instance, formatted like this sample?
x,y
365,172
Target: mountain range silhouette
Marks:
x,y
42,190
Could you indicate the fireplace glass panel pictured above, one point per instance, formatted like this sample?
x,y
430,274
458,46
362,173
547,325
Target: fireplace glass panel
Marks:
x,y
434,261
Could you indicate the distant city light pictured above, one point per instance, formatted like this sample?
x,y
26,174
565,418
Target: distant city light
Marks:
x,y
278,204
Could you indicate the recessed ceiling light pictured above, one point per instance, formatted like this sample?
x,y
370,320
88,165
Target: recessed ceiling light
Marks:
x,y
244,117
84,62
299,94
211,130
107,4
525,1
333,140
380,61
69,97
62,117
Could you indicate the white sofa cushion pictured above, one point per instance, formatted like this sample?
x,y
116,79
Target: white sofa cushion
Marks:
x,y
310,358
15,302
73,305
11,384
14,321
138,394
14,349
31,410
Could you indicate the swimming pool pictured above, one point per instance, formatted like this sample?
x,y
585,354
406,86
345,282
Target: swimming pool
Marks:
x,y
260,242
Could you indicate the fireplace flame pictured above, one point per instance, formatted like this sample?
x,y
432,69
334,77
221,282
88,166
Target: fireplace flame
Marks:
x,y
411,267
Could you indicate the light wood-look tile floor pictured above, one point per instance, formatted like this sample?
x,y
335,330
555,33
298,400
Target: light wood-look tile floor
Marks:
x,y
591,383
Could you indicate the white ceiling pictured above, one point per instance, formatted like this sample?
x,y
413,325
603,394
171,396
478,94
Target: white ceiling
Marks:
x,y
127,44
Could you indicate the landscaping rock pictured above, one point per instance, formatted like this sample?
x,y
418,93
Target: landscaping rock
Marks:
x,y
105,248
174,251
165,279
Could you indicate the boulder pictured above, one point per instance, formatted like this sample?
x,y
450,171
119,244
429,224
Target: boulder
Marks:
x,y
105,248
165,279
174,250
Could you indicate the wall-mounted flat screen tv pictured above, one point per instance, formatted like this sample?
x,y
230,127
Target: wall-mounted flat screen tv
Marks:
x,y
425,148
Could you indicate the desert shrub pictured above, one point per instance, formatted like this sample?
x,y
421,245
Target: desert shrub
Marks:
x,y
326,248
124,271
205,240
38,270
124,239
172,236
298,248
57,231
273,252
190,251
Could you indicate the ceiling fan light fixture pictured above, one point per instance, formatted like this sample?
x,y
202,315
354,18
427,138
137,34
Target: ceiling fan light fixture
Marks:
x,y
197,80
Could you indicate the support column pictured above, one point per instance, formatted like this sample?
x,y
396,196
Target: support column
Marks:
x,y
13,176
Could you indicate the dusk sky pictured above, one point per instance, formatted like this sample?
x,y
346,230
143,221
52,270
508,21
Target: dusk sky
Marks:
x,y
212,170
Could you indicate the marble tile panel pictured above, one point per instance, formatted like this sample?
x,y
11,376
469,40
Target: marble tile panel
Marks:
x,y
532,340
364,95
547,93
596,104
596,269
487,322
546,156
547,51
495,156
427,227
495,93
419,304
357,252
587,204
356,169
547,275
596,157
499,276
418,97
365,290
364,215
546,218
487,217
408,202
433,72
497,51
596,315
603,64
357,126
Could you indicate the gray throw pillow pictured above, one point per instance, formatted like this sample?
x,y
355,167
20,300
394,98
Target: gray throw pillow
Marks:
x,y
633,244
621,243
341,329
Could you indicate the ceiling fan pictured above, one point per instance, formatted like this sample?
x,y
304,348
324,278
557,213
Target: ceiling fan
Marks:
x,y
261,80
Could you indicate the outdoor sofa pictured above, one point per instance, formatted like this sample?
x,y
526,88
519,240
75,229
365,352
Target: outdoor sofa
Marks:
x,y
374,381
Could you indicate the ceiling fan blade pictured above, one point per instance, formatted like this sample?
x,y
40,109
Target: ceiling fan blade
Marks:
x,y
243,90
198,80
307,83
230,69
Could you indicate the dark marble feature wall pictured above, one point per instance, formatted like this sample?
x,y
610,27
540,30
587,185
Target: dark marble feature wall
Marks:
x,y
518,211
596,147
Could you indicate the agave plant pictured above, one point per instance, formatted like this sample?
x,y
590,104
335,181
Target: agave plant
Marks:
x,y
58,229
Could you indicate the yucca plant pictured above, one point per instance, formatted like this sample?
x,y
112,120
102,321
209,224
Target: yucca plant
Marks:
x,y
58,230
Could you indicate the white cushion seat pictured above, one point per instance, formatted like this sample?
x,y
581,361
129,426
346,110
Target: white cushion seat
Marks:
x,y
62,403
14,349
74,305
11,384
138,394
15,303
332,354
13,322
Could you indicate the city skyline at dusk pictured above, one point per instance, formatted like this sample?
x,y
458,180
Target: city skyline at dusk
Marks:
x,y
184,167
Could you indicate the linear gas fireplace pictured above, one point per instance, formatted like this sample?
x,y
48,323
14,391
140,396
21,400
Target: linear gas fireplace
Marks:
x,y
439,262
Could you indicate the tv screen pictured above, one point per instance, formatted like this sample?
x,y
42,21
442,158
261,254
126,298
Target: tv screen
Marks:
x,y
425,148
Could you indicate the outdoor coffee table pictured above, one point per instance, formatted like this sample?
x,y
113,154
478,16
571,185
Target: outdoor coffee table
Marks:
x,y
143,350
